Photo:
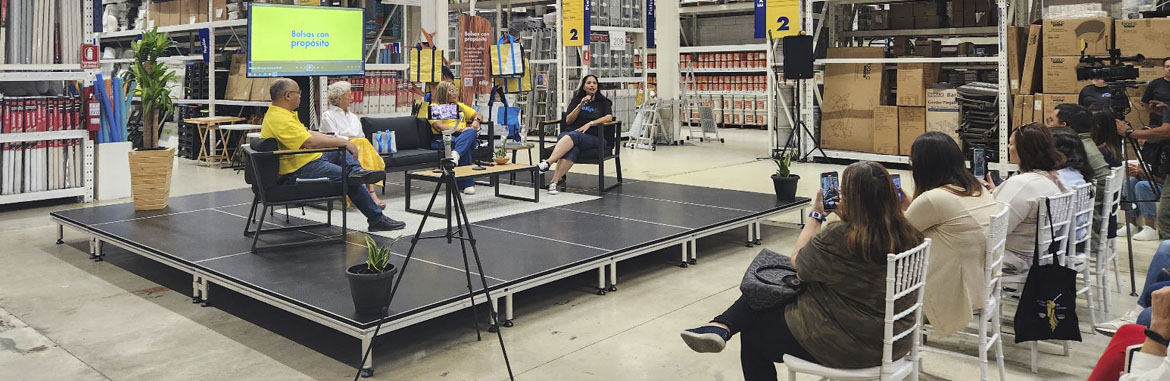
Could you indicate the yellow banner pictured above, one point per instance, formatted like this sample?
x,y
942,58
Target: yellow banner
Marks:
x,y
574,31
783,17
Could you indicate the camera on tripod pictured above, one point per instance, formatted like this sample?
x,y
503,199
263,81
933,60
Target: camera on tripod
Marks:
x,y
1115,72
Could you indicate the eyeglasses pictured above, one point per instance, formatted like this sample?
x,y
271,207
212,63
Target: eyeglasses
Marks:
x,y
298,92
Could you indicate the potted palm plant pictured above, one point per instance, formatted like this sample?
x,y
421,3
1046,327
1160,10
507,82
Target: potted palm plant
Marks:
x,y
150,165
370,282
783,180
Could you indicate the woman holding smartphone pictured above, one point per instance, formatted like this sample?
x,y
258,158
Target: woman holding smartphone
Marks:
x,y
465,129
838,320
588,109
951,208
1032,148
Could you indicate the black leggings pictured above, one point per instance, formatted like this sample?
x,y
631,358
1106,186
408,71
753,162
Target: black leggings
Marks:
x,y
765,340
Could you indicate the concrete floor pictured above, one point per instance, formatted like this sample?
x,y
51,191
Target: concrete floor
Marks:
x,y
63,316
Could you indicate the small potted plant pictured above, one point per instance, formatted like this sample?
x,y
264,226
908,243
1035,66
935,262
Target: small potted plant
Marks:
x,y
370,282
501,156
783,180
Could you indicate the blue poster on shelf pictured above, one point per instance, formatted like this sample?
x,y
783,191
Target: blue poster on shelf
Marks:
x,y
651,24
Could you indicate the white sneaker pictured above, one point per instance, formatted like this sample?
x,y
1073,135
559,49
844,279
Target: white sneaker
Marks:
x,y
552,188
469,190
1122,232
543,166
1110,327
455,157
1147,234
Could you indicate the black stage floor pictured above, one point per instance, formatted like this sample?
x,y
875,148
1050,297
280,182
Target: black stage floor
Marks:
x,y
202,234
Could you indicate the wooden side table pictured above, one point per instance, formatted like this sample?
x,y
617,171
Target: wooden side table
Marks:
x,y
208,129
515,149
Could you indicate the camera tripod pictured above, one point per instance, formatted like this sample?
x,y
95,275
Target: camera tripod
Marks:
x,y
458,229
1129,205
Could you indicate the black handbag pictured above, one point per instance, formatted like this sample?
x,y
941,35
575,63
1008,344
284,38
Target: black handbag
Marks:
x,y
770,280
1048,304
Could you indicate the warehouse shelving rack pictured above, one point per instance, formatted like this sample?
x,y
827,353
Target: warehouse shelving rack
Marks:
x,y
829,15
56,72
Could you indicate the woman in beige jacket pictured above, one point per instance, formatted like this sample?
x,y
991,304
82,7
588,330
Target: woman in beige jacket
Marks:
x,y
951,208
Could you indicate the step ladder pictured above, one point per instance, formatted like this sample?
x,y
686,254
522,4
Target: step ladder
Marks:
x,y
645,127
706,126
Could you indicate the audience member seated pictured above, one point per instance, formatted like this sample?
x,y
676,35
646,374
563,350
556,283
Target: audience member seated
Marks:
x,y
952,209
337,120
1152,363
1080,120
1109,143
1111,365
838,320
465,130
281,123
1140,188
589,108
1157,277
1075,170
1031,148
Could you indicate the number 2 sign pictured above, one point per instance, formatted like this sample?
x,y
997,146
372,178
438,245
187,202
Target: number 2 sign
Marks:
x,y
575,16
780,17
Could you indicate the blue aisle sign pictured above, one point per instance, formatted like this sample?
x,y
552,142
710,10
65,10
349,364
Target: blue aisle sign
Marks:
x,y
651,25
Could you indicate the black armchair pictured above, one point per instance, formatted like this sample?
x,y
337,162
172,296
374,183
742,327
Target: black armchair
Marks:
x,y
610,134
261,171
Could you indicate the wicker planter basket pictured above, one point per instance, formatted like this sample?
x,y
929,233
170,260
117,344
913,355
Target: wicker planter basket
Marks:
x,y
150,178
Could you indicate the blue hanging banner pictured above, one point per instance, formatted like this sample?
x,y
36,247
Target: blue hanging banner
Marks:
x,y
651,25
205,40
761,18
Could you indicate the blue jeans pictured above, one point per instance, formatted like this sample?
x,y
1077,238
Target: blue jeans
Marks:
x,y
464,143
358,194
581,142
1142,190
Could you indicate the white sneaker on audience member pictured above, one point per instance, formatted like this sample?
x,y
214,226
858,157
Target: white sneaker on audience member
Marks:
x,y
455,157
1122,232
469,191
1147,234
1110,327
552,188
543,166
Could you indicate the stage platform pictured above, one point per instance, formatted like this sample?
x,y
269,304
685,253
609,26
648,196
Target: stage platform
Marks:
x,y
202,235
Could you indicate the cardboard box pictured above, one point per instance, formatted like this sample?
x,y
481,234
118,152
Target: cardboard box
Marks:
x,y
260,89
926,22
968,14
901,47
1060,75
1050,101
201,15
1138,115
911,124
901,10
189,14
1017,39
942,112
881,20
927,48
852,92
929,8
1038,114
1148,37
172,10
1030,76
1017,111
239,88
1062,36
1151,70
885,130
901,23
219,10
913,79
957,10
984,14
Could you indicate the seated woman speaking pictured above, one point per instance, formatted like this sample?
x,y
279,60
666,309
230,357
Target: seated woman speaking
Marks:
x,y
589,108
338,121
838,320
466,129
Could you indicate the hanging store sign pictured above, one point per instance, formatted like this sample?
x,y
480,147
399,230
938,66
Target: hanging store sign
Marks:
x,y
780,17
575,18
651,25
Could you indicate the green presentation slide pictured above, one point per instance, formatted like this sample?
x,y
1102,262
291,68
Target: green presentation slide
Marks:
x,y
286,40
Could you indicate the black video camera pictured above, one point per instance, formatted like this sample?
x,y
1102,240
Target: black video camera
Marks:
x,y
1115,72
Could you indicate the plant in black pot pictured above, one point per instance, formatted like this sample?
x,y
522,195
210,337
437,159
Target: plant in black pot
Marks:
x,y
783,180
370,282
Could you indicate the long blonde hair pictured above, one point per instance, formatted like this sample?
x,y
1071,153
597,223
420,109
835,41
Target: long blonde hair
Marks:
x,y
444,93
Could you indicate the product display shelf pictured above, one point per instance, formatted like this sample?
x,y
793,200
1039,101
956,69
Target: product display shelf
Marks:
x,y
133,33
718,9
56,72
808,106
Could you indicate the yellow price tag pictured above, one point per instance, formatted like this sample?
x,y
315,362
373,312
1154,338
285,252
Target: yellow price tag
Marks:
x,y
575,21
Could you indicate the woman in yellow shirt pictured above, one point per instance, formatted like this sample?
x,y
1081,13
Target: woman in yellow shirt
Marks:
x,y
465,129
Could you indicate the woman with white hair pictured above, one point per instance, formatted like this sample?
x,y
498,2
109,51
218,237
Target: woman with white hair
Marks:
x,y
346,125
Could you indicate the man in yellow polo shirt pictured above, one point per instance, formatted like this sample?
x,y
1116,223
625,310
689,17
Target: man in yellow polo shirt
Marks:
x,y
281,122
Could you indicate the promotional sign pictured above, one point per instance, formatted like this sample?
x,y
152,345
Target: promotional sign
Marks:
x,y
285,40
89,56
575,16
475,38
781,17
617,40
651,25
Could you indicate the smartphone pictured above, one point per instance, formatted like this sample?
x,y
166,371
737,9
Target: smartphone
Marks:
x,y
897,184
830,190
979,162
444,112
